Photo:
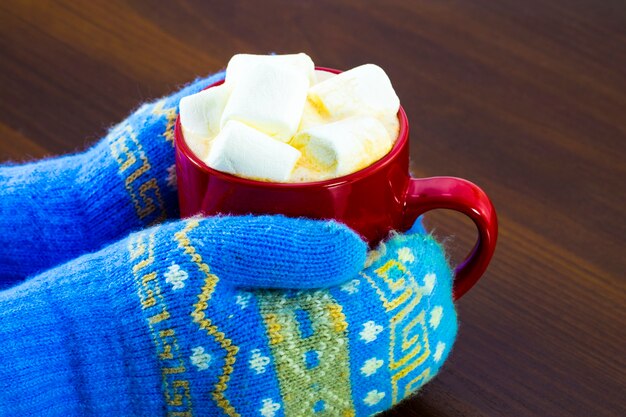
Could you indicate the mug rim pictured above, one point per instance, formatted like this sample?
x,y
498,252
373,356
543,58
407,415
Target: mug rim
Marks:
x,y
401,140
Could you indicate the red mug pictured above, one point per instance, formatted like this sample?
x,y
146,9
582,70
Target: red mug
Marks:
x,y
372,201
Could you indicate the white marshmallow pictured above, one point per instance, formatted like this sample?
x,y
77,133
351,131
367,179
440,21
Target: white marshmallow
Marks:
x,y
392,124
344,146
200,116
241,150
201,113
241,63
310,117
321,76
310,114
268,97
199,145
364,90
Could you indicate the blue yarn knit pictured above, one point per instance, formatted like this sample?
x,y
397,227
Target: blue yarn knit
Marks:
x,y
52,211
175,320
178,319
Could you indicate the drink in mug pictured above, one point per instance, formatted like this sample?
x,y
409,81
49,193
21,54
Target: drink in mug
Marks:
x,y
277,119
281,137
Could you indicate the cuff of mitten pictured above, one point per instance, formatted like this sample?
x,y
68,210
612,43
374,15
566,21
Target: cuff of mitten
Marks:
x,y
127,181
62,352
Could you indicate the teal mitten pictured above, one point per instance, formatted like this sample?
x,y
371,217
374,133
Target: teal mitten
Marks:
x,y
189,318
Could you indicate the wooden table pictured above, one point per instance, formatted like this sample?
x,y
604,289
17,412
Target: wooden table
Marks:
x,y
525,98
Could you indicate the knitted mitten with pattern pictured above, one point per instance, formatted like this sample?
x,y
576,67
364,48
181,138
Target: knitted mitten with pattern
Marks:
x,y
56,209
178,320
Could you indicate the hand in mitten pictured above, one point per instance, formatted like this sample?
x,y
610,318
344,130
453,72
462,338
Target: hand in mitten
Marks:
x,y
56,209
179,320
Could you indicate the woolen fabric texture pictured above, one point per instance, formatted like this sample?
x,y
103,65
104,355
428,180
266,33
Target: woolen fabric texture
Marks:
x,y
226,316
56,209
163,323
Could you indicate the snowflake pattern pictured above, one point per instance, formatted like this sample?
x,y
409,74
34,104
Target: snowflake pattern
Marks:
x,y
200,359
351,287
429,283
406,255
171,180
370,331
269,408
258,362
435,316
441,347
371,366
242,300
373,397
176,276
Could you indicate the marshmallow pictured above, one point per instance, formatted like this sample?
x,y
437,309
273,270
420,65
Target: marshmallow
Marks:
x,y
310,117
240,64
241,150
269,97
364,90
392,124
342,147
310,114
201,113
199,145
200,116
321,76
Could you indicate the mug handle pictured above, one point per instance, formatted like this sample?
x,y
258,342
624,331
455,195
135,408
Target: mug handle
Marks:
x,y
425,194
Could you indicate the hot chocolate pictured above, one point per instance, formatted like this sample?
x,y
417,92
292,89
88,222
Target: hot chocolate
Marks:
x,y
277,119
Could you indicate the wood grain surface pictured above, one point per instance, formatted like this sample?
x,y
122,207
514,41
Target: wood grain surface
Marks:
x,y
525,98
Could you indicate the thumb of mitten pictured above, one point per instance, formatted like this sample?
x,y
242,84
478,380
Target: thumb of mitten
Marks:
x,y
280,252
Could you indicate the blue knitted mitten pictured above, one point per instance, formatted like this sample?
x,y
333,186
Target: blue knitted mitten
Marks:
x,y
54,210
177,320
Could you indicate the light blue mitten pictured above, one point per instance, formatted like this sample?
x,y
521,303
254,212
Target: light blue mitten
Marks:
x,y
54,210
178,320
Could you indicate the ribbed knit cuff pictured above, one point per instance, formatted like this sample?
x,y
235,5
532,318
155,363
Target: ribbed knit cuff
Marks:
x,y
36,202
66,346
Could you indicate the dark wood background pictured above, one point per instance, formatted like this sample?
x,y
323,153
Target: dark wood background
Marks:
x,y
525,98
